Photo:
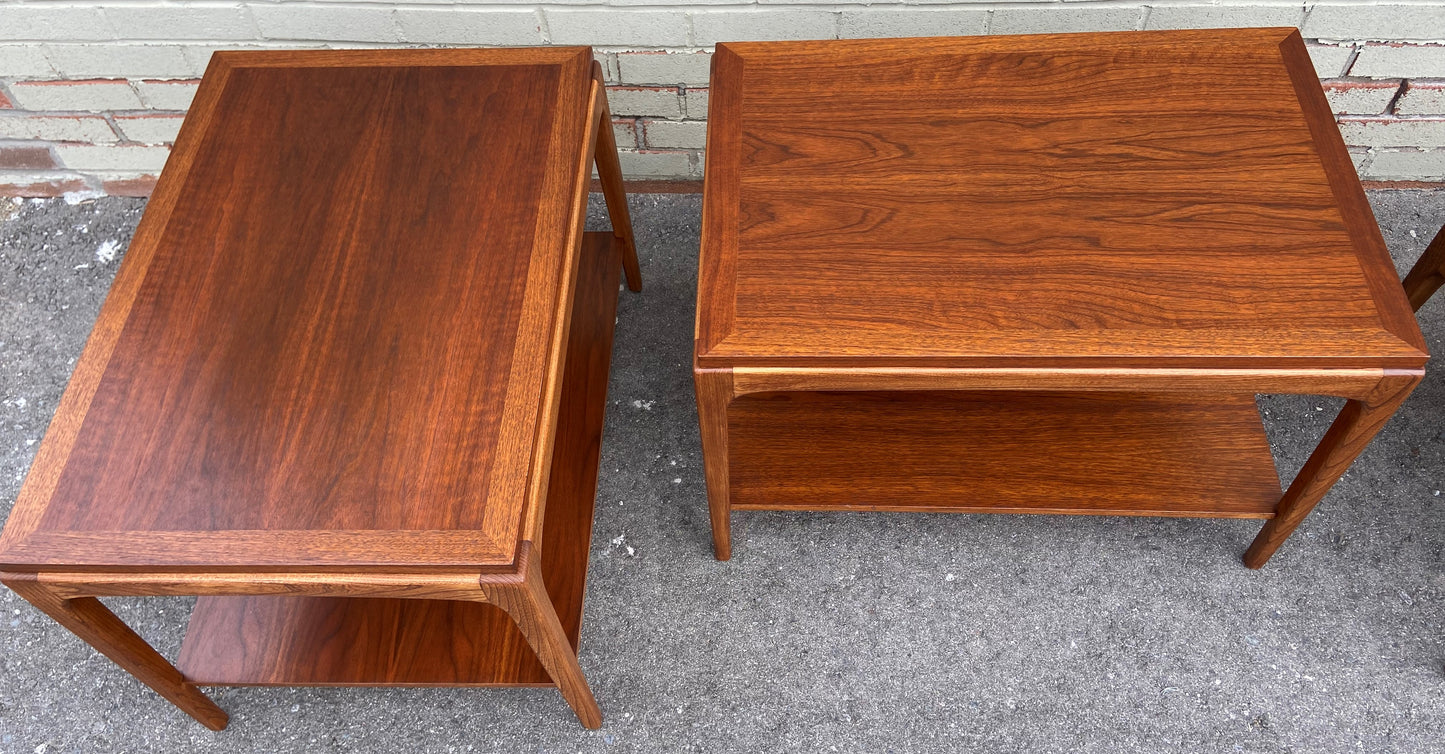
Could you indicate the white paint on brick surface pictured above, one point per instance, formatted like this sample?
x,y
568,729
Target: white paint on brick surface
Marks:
x,y
625,133
663,134
912,22
1360,98
149,129
1406,165
1330,60
84,128
157,61
1222,16
1400,61
165,22
607,27
117,157
77,95
1376,21
41,22
652,164
24,61
695,104
1422,99
469,26
327,23
657,102
1380,132
608,61
166,95
664,67
711,27
1062,19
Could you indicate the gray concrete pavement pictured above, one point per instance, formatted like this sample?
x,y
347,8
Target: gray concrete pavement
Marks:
x,y
846,632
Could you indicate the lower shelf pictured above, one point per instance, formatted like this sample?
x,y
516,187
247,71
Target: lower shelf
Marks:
x,y
324,641
1011,452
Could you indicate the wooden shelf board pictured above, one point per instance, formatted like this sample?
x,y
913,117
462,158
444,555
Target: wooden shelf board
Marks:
x,y
338,641
1005,452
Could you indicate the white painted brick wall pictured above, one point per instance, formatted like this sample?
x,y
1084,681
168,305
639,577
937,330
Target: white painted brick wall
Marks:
x,y
136,61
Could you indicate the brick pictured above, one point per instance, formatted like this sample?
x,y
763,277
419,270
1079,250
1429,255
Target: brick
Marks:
x,y
913,22
149,129
673,68
187,22
470,26
167,95
711,27
694,103
1360,97
115,157
608,61
608,26
1360,157
26,157
1330,60
45,22
664,134
1422,98
1066,19
139,185
328,23
4,102
139,61
89,129
48,184
1393,132
1407,165
93,95
1222,16
638,100
655,164
625,132
1385,22
1400,61
24,62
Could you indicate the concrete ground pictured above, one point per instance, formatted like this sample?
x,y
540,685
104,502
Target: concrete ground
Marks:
x,y
826,632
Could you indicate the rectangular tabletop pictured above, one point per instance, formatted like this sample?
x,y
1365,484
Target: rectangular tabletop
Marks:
x,y
334,339
1159,199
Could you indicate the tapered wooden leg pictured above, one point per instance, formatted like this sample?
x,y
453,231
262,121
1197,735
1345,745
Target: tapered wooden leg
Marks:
x,y
714,393
528,604
87,618
1351,431
1428,273
609,172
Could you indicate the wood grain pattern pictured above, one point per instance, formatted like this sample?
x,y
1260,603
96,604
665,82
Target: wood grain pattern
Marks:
x,y
1090,200
714,395
1428,273
96,625
412,637
340,321
1002,451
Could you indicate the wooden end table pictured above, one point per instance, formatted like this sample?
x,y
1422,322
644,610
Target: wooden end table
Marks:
x,y
352,370
1034,274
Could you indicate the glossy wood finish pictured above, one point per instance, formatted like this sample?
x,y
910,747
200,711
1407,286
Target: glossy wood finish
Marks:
x,y
405,641
1428,274
354,365
1017,451
1065,213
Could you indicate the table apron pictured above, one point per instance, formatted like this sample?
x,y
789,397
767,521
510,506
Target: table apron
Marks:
x,y
444,586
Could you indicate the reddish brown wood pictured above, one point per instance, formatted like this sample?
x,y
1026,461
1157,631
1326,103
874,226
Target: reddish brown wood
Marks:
x,y
1082,212
609,174
1428,274
95,624
1002,451
308,641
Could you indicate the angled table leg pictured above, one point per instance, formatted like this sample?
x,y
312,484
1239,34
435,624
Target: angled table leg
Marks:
x,y
714,393
529,605
95,624
1346,438
609,172
1428,273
